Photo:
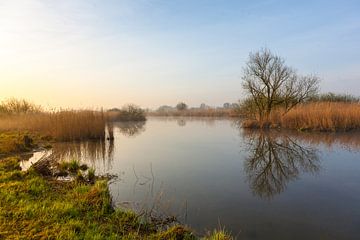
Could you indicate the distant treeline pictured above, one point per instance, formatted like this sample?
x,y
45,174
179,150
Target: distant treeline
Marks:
x,y
182,109
334,97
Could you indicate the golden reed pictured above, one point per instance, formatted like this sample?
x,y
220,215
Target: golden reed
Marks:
x,y
317,116
64,125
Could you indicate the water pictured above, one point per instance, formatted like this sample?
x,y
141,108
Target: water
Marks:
x,y
211,173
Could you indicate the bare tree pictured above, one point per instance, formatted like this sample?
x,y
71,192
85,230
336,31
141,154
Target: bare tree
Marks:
x,y
271,83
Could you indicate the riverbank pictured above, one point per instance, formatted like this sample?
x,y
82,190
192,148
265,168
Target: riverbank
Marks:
x,y
33,206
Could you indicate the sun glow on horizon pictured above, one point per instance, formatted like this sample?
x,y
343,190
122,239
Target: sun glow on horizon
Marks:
x,y
90,54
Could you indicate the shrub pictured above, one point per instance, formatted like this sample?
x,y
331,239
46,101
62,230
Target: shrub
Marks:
x,y
129,112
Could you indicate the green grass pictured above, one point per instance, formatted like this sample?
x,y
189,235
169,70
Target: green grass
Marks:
x,y
13,142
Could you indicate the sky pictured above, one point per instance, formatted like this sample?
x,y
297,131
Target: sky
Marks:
x,y
92,54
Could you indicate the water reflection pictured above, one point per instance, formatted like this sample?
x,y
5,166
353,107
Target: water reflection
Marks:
x,y
91,151
99,154
276,159
130,129
181,122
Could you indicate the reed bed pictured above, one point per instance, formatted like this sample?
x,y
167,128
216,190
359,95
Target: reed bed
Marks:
x,y
317,116
212,112
65,125
325,116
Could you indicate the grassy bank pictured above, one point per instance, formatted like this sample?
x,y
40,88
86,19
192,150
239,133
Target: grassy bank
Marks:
x,y
314,116
33,206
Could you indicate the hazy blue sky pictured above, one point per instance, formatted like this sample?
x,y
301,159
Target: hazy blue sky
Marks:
x,y
107,53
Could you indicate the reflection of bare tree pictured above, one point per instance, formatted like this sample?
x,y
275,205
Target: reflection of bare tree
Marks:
x,y
276,160
130,129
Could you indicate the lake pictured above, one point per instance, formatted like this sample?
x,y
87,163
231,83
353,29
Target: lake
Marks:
x,y
210,173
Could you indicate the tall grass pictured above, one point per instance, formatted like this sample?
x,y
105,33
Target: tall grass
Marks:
x,y
64,125
318,116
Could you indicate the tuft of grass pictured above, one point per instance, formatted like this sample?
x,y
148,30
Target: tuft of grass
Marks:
x,y
177,232
219,235
74,165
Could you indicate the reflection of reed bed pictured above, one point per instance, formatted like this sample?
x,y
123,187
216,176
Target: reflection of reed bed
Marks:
x,y
329,139
213,112
89,151
62,125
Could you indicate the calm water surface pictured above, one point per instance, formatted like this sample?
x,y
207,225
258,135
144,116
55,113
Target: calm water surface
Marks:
x,y
259,185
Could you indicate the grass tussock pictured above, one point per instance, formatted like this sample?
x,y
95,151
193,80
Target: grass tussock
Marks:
x,y
315,116
65,125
